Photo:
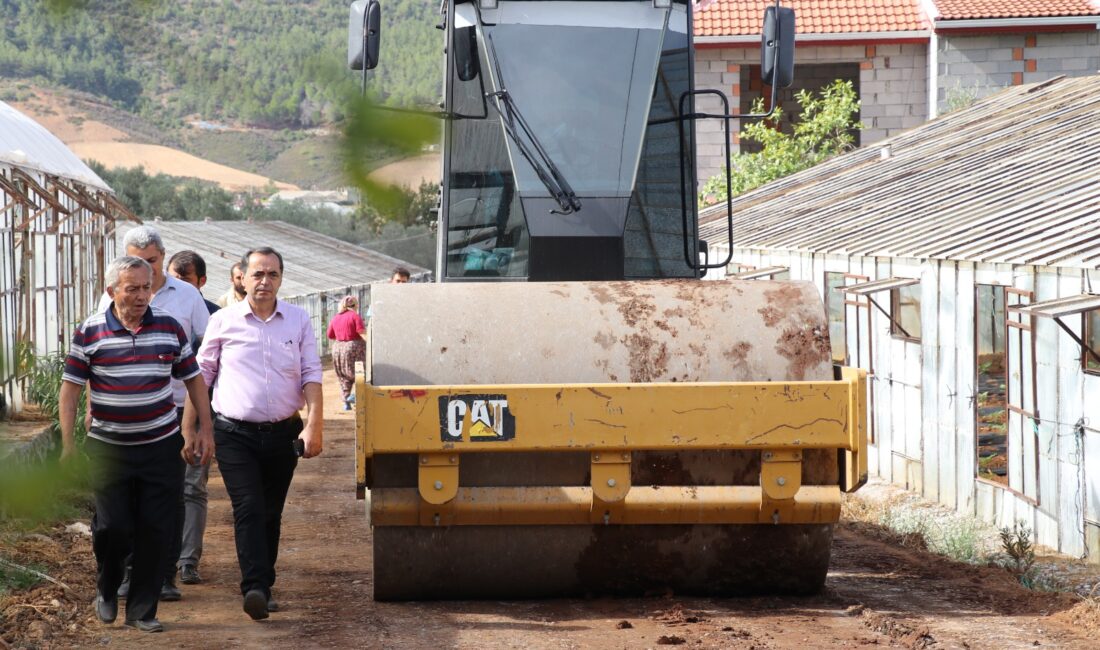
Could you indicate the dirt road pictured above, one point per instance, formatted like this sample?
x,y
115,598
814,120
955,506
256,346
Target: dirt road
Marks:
x,y
877,594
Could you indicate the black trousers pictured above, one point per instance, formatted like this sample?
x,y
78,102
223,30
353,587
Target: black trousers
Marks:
x,y
177,532
257,468
137,489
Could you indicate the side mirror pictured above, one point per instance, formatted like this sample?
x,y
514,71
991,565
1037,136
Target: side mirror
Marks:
x,y
778,35
467,64
364,23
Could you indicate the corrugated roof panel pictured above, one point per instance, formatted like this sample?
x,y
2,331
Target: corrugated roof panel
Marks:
x,y
314,262
1009,180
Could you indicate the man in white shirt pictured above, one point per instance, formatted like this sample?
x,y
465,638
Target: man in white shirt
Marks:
x,y
185,304
236,292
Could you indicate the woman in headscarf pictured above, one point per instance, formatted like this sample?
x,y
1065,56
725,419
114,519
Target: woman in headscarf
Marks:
x,y
347,331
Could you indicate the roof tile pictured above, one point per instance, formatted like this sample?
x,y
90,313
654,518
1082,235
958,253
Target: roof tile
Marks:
x,y
970,9
744,17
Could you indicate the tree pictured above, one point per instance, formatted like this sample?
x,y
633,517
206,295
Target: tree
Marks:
x,y
825,128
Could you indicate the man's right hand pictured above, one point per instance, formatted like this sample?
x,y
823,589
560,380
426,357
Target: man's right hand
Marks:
x,y
66,414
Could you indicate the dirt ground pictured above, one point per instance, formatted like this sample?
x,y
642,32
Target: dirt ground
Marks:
x,y
878,593
73,123
156,159
411,172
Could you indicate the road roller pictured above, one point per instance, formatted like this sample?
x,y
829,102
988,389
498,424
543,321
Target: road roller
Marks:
x,y
569,409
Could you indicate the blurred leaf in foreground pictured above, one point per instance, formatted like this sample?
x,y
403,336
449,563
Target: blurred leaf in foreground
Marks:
x,y
369,124
34,493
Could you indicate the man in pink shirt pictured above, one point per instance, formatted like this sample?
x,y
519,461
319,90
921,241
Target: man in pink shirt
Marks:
x,y
260,357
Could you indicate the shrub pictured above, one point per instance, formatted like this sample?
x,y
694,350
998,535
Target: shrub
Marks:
x,y
824,129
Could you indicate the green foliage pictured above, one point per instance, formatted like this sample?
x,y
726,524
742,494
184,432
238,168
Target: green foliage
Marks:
x,y
954,536
401,227
251,61
168,197
42,384
1016,544
31,494
958,97
824,128
15,578
406,234
369,125
43,380
34,495
415,243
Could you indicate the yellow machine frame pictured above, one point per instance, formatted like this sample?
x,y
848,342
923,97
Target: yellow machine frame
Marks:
x,y
611,422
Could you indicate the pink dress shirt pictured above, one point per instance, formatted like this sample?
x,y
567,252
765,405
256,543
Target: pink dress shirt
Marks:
x,y
258,368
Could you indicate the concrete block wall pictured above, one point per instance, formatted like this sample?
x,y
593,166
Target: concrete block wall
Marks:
x,y
892,84
980,65
809,76
718,69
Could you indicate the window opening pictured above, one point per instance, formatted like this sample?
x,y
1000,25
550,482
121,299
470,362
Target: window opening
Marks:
x,y
911,299
835,308
1091,354
905,311
991,405
862,323
1021,446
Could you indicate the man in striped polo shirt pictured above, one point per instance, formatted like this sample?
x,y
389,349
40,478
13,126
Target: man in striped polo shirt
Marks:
x,y
127,355
184,303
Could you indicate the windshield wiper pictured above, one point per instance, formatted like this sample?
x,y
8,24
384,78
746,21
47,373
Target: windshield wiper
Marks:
x,y
529,146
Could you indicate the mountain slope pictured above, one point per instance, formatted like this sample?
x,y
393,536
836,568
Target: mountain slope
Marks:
x,y
255,62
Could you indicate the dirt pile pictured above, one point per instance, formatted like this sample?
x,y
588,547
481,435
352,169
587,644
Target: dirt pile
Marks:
x,y
50,614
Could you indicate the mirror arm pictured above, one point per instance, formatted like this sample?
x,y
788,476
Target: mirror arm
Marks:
x,y
366,45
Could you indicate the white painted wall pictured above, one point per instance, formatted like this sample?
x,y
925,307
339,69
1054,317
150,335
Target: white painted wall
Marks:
x,y
924,396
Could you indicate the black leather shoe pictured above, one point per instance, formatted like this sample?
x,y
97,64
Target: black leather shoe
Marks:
x,y
124,588
255,604
272,605
189,574
106,610
152,625
169,592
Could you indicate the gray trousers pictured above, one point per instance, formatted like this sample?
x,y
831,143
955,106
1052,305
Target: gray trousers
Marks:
x,y
194,513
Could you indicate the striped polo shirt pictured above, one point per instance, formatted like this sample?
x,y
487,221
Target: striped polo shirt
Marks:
x,y
129,374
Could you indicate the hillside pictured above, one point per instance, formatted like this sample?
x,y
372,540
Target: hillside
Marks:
x,y
250,62
253,85
96,131
236,159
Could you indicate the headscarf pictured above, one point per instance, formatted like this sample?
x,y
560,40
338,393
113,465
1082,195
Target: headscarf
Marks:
x,y
346,303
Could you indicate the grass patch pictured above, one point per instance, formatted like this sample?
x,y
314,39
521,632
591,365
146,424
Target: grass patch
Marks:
x,y
306,160
250,151
15,578
316,162
921,525
904,519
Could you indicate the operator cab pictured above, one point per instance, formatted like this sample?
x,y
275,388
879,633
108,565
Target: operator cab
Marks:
x,y
568,139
